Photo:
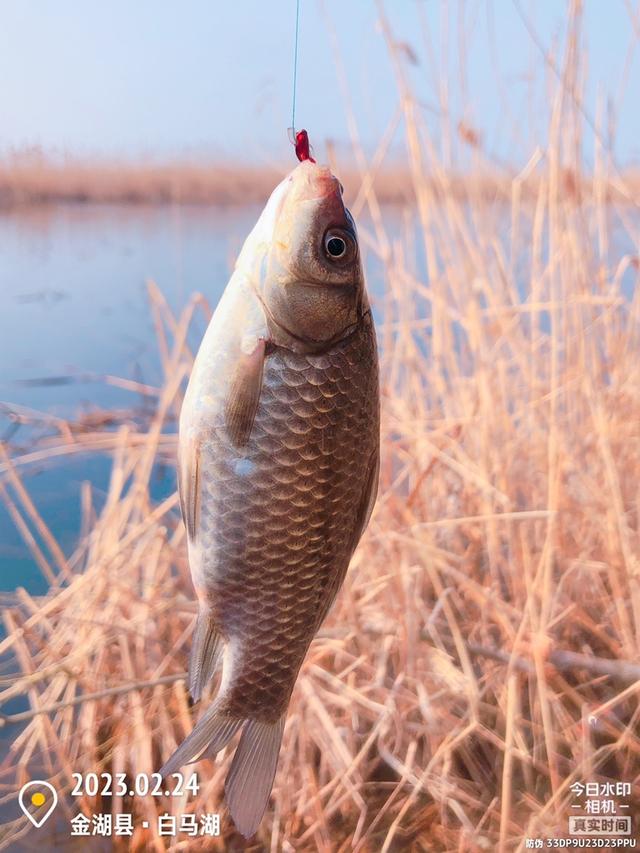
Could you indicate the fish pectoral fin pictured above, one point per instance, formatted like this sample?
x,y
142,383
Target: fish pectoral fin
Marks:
x,y
206,648
244,391
250,779
189,483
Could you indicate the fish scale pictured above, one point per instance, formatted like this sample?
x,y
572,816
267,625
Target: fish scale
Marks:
x,y
277,470
282,533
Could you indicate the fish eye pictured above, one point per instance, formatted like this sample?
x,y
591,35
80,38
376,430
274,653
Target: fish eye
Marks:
x,y
336,247
336,244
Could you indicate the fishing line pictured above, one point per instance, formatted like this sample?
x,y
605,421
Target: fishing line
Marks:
x,y
300,139
295,70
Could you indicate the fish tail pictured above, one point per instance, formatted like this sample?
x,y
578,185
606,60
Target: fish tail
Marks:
x,y
205,653
210,734
250,779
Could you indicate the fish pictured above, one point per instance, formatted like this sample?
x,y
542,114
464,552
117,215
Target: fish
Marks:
x,y
278,466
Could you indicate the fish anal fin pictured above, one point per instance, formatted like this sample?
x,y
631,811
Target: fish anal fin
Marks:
x,y
244,391
205,653
189,483
250,779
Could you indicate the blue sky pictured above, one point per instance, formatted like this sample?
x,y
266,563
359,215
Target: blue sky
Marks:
x,y
160,78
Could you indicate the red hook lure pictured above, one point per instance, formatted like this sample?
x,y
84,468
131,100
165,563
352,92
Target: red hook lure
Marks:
x,y
302,146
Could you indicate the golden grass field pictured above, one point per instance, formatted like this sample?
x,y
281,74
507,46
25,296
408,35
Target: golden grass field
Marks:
x,y
32,178
484,653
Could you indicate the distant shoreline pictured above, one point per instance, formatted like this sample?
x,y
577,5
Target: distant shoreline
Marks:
x,y
27,181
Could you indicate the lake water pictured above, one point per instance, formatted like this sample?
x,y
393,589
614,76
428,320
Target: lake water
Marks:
x,y
75,307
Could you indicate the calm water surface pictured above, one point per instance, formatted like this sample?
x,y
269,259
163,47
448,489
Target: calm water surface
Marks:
x,y
74,307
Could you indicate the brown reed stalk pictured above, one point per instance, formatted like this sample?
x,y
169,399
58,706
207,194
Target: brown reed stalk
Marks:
x,y
483,655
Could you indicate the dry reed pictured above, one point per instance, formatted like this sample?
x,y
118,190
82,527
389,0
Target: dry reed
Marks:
x,y
33,177
484,653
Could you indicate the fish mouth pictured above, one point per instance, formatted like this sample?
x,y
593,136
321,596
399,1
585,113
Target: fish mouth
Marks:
x,y
313,182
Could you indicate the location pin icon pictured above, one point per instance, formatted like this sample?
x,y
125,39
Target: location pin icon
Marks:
x,y
37,800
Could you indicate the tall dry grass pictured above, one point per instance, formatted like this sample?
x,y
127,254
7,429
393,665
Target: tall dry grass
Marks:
x,y
32,178
484,653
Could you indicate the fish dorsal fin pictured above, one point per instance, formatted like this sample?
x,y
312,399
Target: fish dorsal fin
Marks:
x,y
369,495
244,390
189,483
328,591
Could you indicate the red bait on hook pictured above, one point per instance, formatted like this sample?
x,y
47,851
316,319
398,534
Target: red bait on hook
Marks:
x,y
302,146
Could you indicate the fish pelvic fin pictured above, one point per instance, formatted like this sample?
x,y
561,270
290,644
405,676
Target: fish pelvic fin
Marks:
x,y
253,769
206,648
211,733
